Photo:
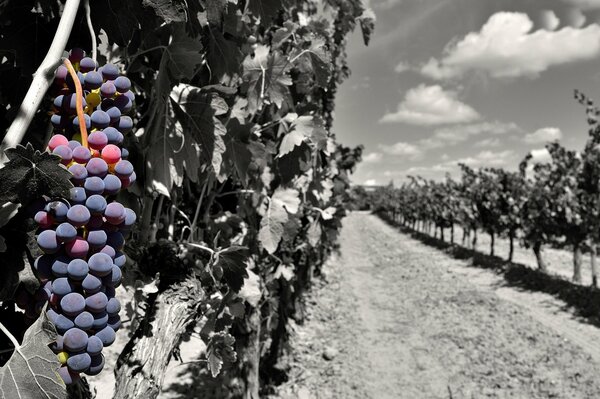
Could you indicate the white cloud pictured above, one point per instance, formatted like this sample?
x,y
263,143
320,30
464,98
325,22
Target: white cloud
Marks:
x,y
487,158
489,142
506,47
373,157
431,105
402,67
370,182
540,156
448,136
575,18
584,4
403,149
543,135
549,20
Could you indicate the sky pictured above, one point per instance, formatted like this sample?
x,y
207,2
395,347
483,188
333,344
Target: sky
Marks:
x,y
482,82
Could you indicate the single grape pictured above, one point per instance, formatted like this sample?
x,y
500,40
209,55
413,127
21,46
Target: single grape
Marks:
x,y
57,210
123,84
48,242
110,251
78,248
115,239
75,340
124,153
114,322
84,321
88,122
65,153
94,345
100,264
110,291
130,95
77,195
107,104
56,140
61,74
123,169
100,119
72,304
74,144
97,167
129,181
81,154
91,284
108,89
65,232
62,323
44,220
107,336
62,286
100,320
80,362
97,140
93,185
71,85
115,213
114,113
77,269
96,204
79,173
68,376
93,99
125,124
123,103
96,303
111,154
115,276
120,259
78,215
87,64
130,218
59,266
57,346
68,103
97,239
110,72
96,365
93,80
76,55
112,184
113,306
53,316
43,266
59,121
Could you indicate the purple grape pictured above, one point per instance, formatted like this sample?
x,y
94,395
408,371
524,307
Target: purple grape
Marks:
x,y
94,345
96,204
59,121
96,303
112,184
94,185
57,346
123,103
123,84
114,322
48,242
78,248
77,195
79,173
43,266
68,376
100,119
97,140
76,54
96,365
124,153
100,264
110,72
100,321
80,362
84,321
123,169
130,218
97,239
78,269
62,286
110,251
65,153
71,85
52,316
115,239
113,306
75,340
44,220
72,304
74,144
107,89
91,284
78,215
58,210
59,266
87,64
125,124
114,213
62,323
81,154
87,119
93,80
120,259
65,232
107,336
114,114
130,95
68,103
61,74
115,276
97,167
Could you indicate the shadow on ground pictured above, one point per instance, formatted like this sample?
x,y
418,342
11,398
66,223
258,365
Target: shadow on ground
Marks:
x,y
585,301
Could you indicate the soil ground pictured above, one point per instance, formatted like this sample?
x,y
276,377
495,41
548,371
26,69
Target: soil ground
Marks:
x,y
395,318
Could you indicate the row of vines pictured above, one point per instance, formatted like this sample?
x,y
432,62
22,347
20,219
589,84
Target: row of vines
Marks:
x,y
239,185
552,202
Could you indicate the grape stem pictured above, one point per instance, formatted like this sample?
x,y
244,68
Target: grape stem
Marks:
x,y
42,79
88,18
78,102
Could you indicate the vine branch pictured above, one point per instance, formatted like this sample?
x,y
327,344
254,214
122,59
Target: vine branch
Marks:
x,y
42,79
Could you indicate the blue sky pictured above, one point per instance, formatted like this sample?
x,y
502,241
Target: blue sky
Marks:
x,y
482,82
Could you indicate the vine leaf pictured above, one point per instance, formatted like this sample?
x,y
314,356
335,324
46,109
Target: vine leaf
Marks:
x,y
30,174
169,11
267,78
265,9
272,225
288,198
232,261
31,371
223,56
241,151
220,349
250,291
303,127
185,54
316,59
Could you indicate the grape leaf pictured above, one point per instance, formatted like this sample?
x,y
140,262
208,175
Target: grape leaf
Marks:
x,y
232,261
315,59
267,78
271,226
169,11
250,291
314,233
184,54
30,174
367,25
241,152
305,126
265,9
223,56
32,371
117,18
220,349
287,198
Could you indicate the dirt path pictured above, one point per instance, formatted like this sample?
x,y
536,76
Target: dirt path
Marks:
x,y
399,319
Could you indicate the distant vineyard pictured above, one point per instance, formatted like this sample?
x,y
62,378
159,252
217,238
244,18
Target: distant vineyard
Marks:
x,y
554,203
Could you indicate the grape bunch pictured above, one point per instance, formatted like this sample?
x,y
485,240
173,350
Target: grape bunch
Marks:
x,y
82,236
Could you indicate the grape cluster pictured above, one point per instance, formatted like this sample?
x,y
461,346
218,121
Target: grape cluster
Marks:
x,y
82,236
